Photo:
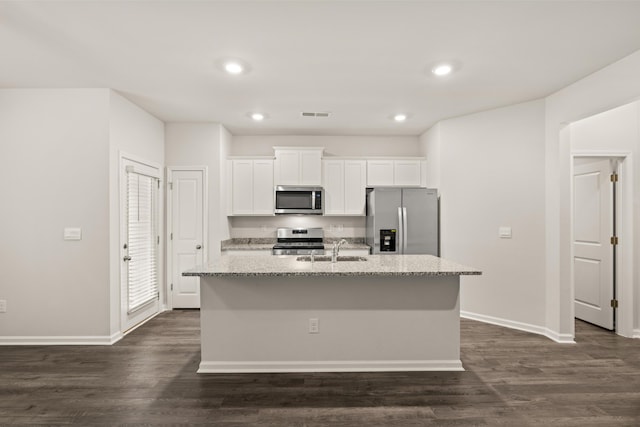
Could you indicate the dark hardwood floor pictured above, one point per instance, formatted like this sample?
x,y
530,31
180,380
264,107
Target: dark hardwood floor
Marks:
x,y
512,379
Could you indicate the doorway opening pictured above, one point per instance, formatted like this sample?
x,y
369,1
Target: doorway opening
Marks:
x,y
600,241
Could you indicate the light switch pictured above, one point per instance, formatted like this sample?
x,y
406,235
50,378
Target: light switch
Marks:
x,y
72,233
504,232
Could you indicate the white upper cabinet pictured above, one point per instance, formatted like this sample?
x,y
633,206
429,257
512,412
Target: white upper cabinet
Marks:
x,y
379,172
406,172
333,185
298,165
403,172
355,187
344,187
251,186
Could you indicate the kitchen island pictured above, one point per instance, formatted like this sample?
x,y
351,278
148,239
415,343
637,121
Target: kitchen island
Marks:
x,y
281,314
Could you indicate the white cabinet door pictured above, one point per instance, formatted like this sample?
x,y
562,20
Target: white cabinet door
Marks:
x,y
355,184
379,172
298,166
406,172
287,167
242,187
311,167
263,192
251,187
334,187
401,173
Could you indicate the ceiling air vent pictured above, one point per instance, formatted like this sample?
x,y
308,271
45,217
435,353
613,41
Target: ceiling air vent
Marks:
x,y
316,114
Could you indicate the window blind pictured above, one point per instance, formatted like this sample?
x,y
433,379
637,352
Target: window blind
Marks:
x,y
142,245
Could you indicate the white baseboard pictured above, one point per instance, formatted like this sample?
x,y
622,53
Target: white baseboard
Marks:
x,y
329,366
57,340
525,327
636,333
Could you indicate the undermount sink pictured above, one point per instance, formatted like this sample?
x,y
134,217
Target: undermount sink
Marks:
x,y
325,258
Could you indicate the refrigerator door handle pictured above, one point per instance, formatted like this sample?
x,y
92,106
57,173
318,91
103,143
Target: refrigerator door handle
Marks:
x,y
400,231
405,226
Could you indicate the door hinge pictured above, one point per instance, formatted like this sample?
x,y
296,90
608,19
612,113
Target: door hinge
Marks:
x,y
158,239
158,184
614,177
171,236
614,303
614,240
172,286
170,184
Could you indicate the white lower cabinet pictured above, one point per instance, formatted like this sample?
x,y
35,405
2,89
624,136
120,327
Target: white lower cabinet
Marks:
x,y
251,186
344,183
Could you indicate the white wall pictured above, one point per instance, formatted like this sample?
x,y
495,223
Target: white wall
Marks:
x,y
134,132
491,166
613,86
202,144
224,228
59,163
54,173
262,145
430,148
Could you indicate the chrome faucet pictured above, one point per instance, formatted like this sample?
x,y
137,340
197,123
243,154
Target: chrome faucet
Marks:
x,y
313,256
336,249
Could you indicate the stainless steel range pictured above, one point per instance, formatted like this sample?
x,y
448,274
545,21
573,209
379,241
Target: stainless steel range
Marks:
x,y
298,241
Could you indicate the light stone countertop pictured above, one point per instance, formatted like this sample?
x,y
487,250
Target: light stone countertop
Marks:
x,y
260,243
375,265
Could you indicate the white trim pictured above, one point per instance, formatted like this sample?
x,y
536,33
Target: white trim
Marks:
x,y
636,333
169,223
520,326
137,325
559,338
330,366
62,340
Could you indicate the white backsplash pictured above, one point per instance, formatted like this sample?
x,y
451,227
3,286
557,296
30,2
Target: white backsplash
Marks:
x,y
244,227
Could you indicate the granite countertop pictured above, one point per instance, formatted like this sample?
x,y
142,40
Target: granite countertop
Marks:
x,y
260,243
375,265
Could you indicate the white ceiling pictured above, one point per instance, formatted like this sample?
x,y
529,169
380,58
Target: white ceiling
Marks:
x,y
360,60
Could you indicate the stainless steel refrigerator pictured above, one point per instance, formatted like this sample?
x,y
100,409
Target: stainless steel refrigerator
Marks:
x,y
403,221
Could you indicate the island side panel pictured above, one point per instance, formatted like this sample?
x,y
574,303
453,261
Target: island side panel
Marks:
x,y
366,323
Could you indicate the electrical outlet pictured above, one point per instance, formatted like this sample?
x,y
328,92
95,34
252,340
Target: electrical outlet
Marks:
x,y
3,305
314,327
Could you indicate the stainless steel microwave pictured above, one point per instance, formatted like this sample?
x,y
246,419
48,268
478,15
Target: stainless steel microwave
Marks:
x,y
298,200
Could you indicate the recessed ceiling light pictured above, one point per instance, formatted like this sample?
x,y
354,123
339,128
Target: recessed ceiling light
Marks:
x,y
257,116
442,69
233,67
400,117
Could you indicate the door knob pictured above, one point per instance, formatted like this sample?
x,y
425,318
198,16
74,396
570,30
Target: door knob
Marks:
x,y
126,258
199,247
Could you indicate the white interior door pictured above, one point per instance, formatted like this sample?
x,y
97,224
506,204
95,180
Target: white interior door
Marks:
x,y
187,233
592,249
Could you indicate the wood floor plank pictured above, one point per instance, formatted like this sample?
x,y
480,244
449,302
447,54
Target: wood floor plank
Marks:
x,y
512,378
